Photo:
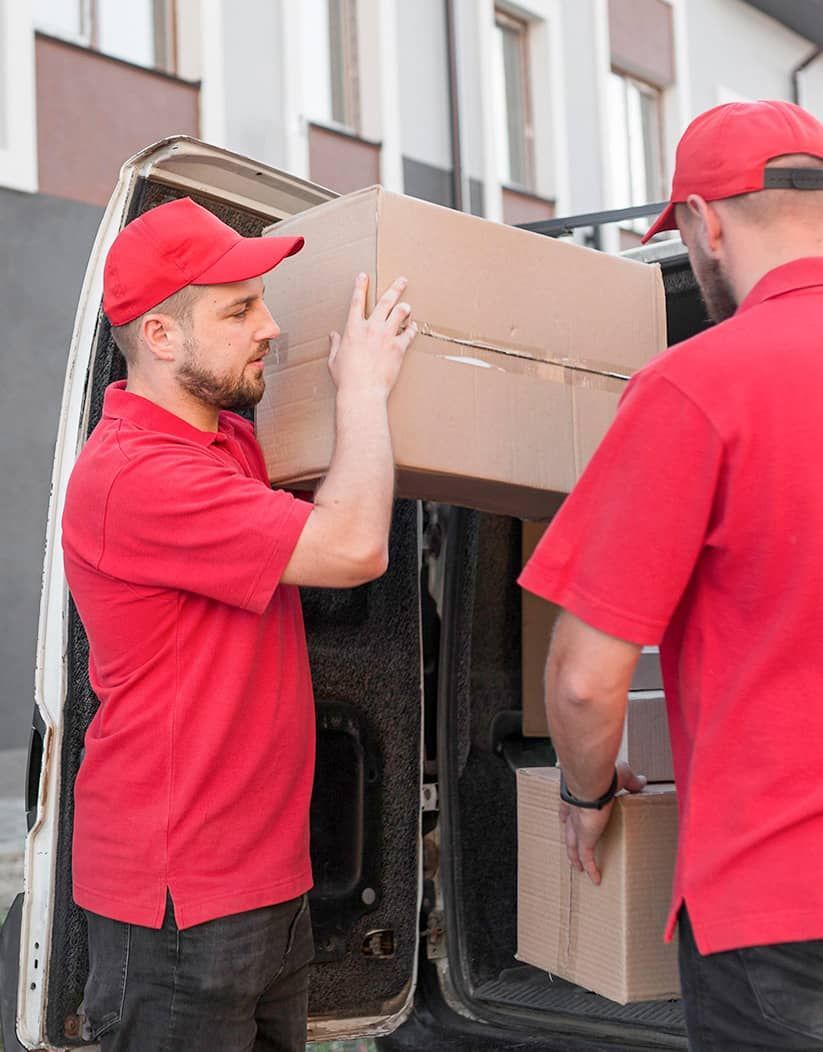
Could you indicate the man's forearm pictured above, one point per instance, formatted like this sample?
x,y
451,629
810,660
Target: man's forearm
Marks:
x,y
359,487
588,675
586,733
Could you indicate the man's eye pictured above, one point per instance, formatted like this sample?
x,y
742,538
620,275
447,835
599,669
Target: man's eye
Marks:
x,y
242,313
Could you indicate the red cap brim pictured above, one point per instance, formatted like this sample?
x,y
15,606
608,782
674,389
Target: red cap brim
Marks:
x,y
249,258
665,221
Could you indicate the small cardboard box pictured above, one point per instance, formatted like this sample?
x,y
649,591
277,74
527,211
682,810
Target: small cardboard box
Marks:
x,y
525,346
608,939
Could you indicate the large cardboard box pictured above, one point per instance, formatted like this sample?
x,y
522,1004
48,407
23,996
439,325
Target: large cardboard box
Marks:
x,y
525,346
609,938
645,746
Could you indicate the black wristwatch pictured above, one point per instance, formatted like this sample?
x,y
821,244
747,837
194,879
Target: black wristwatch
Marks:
x,y
592,805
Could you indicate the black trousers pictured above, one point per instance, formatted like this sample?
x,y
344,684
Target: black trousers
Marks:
x,y
238,984
758,999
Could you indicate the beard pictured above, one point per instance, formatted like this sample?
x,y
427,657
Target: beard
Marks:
x,y
716,289
233,392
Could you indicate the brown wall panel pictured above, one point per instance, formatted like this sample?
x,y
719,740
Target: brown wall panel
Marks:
x,y
342,162
93,112
525,208
642,40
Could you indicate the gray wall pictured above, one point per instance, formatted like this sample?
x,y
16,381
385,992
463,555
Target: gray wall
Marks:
x,y
44,245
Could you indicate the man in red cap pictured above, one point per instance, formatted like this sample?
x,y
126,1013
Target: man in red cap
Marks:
x,y
191,831
697,526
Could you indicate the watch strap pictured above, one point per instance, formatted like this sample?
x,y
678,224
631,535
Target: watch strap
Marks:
x,y
591,805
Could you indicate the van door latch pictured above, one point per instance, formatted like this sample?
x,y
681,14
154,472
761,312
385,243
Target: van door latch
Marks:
x,y
429,797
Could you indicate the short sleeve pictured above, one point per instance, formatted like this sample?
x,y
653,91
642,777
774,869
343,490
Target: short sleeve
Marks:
x,y
624,544
180,519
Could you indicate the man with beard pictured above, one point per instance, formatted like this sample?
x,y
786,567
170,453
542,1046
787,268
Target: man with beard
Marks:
x,y
191,830
698,525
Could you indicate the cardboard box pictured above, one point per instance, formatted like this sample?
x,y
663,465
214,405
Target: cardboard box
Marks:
x,y
537,624
525,346
608,939
645,746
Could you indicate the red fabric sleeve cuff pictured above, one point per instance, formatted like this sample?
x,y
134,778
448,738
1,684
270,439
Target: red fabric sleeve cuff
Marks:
x,y
288,534
595,612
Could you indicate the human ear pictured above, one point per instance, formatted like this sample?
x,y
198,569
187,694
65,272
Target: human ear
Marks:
x,y
706,224
160,334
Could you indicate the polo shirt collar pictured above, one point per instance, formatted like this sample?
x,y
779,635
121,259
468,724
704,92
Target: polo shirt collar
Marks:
x,y
122,404
789,277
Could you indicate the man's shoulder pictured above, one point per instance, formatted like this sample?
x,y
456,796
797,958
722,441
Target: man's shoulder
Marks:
x,y
699,363
119,455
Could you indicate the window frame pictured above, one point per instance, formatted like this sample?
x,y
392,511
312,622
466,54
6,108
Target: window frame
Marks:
x,y
344,65
507,21
658,190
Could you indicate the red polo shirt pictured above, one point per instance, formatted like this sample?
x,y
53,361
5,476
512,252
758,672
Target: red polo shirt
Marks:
x,y
699,524
198,765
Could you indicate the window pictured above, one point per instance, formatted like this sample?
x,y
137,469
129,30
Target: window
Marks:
x,y
343,68
636,153
139,31
513,102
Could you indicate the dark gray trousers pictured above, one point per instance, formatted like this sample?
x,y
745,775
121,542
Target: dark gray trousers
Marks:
x,y
758,999
237,984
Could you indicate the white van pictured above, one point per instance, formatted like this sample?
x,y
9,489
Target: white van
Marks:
x,y
417,679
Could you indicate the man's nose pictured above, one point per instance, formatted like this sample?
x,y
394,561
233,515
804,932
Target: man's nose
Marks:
x,y
269,329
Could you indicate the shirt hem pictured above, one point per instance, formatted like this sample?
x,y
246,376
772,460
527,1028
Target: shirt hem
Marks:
x,y
748,929
189,912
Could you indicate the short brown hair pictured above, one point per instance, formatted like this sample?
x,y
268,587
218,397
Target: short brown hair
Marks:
x,y
178,306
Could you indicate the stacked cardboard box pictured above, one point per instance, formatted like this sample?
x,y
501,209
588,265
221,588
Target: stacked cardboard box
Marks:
x,y
525,346
645,745
606,938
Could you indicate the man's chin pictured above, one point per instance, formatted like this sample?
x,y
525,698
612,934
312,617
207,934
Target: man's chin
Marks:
x,y
248,398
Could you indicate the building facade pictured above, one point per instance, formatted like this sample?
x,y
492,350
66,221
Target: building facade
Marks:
x,y
513,111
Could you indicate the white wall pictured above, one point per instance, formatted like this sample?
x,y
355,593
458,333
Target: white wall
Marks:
x,y
585,44
470,72
18,119
737,51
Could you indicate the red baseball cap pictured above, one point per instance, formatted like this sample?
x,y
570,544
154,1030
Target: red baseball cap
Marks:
x,y
723,151
179,244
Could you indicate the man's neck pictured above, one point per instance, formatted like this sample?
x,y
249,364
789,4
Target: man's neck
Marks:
x,y
198,414
756,259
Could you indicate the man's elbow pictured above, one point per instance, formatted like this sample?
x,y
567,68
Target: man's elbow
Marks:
x,y
577,691
368,563
575,685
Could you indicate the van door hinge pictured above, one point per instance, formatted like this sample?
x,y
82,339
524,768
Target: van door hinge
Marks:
x,y
429,797
435,936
